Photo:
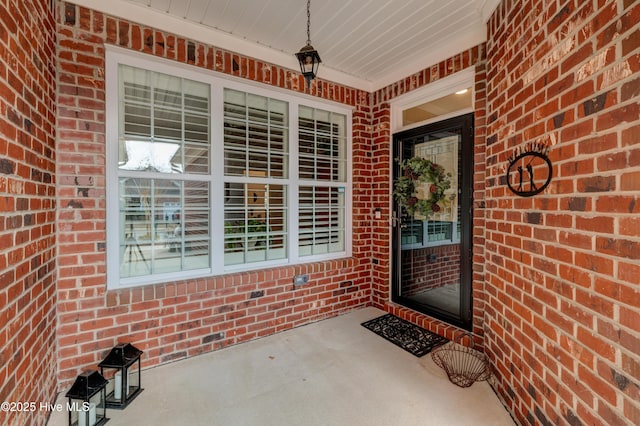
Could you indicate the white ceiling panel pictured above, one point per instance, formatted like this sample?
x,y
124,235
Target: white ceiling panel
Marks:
x,y
370,43
195,12
178,8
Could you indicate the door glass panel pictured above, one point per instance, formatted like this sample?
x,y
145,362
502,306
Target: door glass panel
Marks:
x,y
430,245
431,267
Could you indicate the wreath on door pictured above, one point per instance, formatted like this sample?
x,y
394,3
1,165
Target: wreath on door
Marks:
x,y
418,170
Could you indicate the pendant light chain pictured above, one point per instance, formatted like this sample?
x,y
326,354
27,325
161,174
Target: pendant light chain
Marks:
x,y
308,21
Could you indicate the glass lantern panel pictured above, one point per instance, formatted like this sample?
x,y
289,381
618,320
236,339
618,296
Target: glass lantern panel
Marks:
x,y
133,381
87,413
114,386
97,409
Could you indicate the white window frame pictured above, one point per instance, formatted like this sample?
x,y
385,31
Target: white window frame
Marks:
x,y
114,56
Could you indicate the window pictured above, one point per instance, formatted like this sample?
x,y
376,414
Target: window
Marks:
x,y
322,156
207,175
256,153
163,151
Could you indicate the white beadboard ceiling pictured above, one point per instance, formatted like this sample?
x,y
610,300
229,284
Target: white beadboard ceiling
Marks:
x,y
363,43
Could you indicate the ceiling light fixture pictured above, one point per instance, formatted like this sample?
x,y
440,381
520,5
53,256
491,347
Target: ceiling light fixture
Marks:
x,y
308,56
462,92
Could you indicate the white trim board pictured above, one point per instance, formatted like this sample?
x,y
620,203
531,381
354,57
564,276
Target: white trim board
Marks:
x,y
146,16
434,90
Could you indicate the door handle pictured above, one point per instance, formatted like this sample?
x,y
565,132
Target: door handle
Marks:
x,y
394,219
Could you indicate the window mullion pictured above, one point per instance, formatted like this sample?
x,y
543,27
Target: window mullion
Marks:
x,y
152,109
268,139
294,185
183,225
247,139
152,219
183,130
217,180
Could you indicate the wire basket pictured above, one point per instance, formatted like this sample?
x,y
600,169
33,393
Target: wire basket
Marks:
x,y
464,365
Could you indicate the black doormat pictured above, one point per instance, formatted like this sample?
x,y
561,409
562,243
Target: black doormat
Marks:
x,y
408,336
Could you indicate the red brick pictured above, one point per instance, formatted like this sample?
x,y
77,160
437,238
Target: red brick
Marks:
x,y
577,57
620,247
618,204
625,114
630,181
596,224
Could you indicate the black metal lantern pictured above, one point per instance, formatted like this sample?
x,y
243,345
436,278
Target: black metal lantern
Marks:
x,y
308,56
87,400
122,369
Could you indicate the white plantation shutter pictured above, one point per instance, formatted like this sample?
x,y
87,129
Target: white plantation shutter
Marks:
x,y
164,145
322,157
256,153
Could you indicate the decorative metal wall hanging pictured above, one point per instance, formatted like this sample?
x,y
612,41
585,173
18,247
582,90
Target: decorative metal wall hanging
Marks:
x,y
530,170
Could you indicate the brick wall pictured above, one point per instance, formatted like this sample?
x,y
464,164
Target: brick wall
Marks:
x,y
27,208
381,191
555,278
178,319
562,304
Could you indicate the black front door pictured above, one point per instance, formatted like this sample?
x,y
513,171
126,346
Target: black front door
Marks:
x,y
433,220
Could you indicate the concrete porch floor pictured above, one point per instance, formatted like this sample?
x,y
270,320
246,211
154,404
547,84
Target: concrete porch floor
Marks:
x,y
332,372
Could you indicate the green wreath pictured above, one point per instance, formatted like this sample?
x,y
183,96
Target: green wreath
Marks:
x,y
414,171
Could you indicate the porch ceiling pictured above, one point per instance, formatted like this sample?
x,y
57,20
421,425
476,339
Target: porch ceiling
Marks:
x,y
363,43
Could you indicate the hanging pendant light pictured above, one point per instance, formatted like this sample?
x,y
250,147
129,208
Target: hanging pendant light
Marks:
x,y
308,56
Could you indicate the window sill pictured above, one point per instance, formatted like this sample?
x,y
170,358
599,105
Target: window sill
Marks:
x,y
261,271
